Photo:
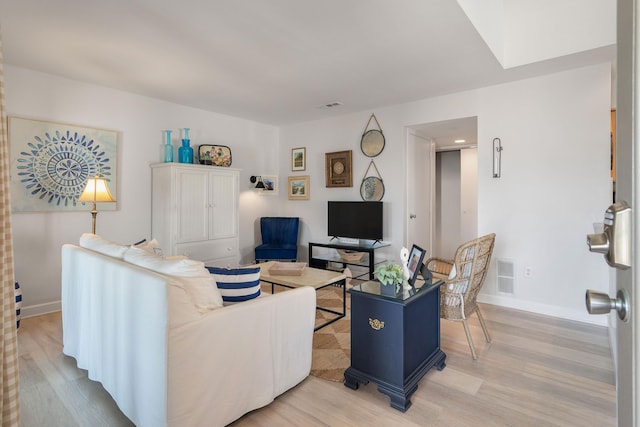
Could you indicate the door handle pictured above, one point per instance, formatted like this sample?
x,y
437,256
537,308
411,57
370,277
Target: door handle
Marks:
x,y
412,216
615,240
600,303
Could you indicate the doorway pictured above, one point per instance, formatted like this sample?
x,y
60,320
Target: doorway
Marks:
x,y
456,207
455,141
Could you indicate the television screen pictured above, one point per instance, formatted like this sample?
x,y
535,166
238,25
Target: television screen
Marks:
x,y
356,220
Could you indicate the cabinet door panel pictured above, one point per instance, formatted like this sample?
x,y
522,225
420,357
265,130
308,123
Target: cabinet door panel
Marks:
x,y
193,212
224,205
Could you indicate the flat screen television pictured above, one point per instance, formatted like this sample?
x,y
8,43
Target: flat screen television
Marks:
x,y
356,220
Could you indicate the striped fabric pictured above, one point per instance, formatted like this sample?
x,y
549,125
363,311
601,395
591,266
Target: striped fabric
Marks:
x,y
237,284
18,294
9,387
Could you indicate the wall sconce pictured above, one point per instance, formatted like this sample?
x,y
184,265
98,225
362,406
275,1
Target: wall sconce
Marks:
x,y
260,184
497,157
96,190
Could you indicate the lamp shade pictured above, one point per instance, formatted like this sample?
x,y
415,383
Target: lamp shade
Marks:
x,y
96,190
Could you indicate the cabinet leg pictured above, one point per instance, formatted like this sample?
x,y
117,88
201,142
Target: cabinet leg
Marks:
x,y
353,380
399,401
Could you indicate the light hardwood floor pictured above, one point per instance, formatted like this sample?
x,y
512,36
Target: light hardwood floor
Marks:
x,y
538,371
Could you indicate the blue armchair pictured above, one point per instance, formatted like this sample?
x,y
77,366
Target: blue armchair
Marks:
x,y
279,239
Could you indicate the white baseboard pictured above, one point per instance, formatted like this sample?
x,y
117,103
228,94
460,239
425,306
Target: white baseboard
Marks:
x,y
547,310
38,309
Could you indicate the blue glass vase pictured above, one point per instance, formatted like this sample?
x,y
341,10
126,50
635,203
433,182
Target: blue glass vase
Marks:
x,y
185,153
168,148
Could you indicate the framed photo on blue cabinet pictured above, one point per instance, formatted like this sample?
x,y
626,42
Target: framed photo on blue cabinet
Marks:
x,y
416,256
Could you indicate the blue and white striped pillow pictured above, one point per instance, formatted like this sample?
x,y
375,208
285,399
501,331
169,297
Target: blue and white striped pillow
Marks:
x,y
237,284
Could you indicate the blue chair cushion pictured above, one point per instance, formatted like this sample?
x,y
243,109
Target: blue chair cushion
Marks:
x,y
237,284
279,238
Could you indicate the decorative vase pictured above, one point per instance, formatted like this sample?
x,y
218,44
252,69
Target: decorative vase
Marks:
x,y
18,296
168,148
185,153
388,290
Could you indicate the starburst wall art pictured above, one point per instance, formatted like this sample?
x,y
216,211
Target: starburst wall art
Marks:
x,y
50,164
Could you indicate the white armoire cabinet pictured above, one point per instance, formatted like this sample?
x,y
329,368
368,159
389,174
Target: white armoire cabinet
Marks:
x,y
194,212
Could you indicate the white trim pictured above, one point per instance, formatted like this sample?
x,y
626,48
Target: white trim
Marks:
x,y
39,309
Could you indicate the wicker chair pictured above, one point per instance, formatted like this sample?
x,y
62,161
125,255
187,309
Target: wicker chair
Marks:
x,y
463,278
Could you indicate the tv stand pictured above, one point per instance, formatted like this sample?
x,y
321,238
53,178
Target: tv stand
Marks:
x,y
368,261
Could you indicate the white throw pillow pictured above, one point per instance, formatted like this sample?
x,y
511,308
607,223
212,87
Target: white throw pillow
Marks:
x,y
195,278
153,247
181,267
104,246
203,292
452,274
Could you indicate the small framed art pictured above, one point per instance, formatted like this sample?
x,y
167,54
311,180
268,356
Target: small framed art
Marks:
x,y
298,159
416,256
298,187
270,184
338,167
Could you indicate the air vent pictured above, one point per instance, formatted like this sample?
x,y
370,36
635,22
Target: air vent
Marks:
x,y
506,275
331,105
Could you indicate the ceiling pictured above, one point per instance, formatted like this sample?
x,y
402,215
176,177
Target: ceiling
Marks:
x,y
275,62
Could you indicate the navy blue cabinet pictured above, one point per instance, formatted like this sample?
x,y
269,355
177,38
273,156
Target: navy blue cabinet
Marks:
x,y
395,339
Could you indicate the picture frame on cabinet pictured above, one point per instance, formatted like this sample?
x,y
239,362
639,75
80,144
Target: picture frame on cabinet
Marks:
x,y
214,155
414,263
298,187
270,184
298,159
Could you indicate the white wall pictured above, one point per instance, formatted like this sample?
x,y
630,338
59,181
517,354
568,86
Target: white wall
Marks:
x,y
448,199
139,122
554,185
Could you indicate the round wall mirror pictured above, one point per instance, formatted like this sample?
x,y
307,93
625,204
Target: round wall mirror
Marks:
x,y
372,189
372,142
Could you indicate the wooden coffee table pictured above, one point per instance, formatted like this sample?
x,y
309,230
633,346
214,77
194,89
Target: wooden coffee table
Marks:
x,y
314,277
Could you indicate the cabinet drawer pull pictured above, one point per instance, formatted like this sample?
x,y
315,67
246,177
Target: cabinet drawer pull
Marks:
x,y
376,324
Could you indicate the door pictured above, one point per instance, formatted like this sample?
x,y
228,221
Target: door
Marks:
x,y
420,192
223,201
191,205
627,187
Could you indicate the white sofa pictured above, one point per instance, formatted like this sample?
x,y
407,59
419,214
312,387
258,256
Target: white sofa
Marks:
x,y
169,362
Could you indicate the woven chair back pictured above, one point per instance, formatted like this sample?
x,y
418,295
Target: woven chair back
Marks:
x,y
471,263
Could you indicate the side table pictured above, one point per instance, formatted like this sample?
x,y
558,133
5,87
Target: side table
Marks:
x,y
395,340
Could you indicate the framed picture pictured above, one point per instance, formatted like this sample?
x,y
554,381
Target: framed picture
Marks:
x,y
338,169
416,256
270,184
51,162
214,155
298,159
298,187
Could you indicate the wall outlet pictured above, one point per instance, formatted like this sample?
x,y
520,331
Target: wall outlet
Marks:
x,y
528,272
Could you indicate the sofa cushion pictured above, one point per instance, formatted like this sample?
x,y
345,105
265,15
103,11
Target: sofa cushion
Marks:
x,y
203,292
102,245
152,246
237,284
180,267
196,280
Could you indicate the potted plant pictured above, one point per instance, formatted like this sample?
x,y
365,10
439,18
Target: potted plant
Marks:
x,y
391,278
